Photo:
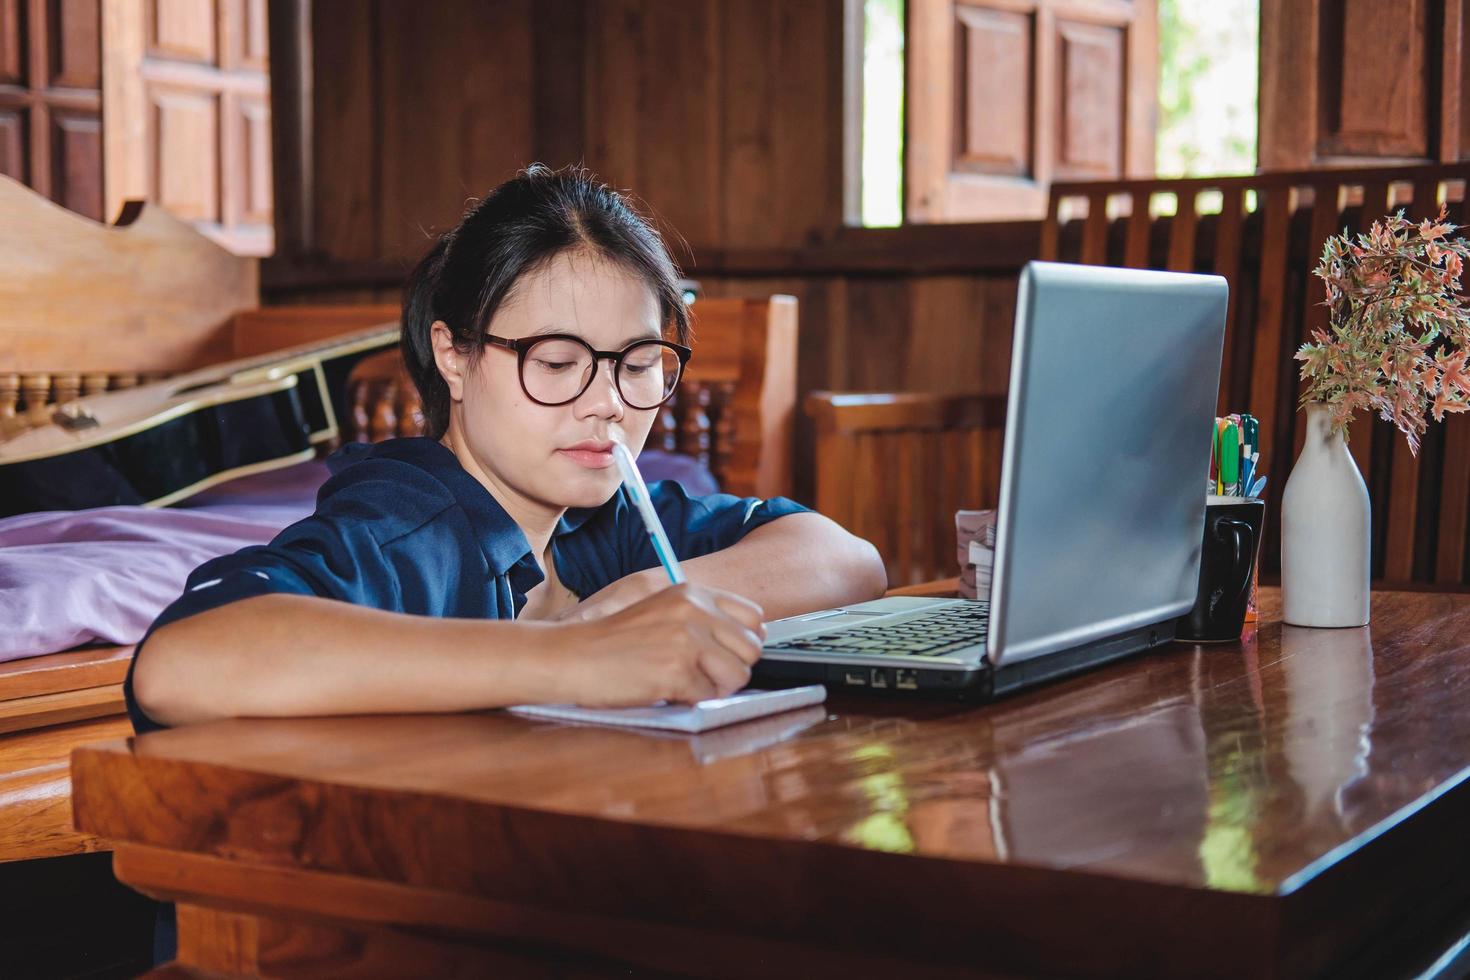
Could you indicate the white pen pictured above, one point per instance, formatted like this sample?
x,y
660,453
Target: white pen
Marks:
x,y
638,492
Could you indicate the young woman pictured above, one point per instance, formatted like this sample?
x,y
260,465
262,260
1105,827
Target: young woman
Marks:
x,y
495,561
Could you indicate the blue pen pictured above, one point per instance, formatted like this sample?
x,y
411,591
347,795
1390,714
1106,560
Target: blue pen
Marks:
x,y
638,493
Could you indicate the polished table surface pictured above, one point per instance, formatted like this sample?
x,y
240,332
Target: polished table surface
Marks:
x,y
1294,804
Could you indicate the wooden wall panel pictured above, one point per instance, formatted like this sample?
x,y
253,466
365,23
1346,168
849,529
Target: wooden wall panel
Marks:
x,y
995,90
799,128
1374,71
463,123
724,115
1357,82
342,101
183,135
13,144
76,146
250,36
182,30
1090,118
251,196
12,48
50,99
76,60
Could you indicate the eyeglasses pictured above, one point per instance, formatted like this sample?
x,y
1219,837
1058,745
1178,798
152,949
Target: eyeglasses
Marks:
x,y
557,368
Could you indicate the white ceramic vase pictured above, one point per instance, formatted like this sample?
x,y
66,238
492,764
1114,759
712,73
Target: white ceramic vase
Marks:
x,y
1325,523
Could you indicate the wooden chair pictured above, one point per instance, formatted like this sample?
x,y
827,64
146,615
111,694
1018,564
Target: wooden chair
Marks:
x,y
894,468
1264,234
734,411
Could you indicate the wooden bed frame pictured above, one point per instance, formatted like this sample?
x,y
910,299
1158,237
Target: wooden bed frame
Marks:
x,y
86,308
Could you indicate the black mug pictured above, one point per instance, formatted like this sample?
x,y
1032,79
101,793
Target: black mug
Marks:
x,y
1226,567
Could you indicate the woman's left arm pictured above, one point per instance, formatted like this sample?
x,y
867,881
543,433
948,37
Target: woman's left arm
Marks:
x,y
794,564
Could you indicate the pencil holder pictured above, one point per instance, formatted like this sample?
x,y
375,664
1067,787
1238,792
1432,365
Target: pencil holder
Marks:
x,y
1232,539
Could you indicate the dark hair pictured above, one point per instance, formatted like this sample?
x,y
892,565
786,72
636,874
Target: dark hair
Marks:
x,y
519,226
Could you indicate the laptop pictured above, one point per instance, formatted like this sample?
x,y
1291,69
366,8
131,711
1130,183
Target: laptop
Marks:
x,y
1101,516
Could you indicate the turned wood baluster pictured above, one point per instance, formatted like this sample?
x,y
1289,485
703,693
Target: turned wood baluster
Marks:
x,y
722,417
665,433
410,411
361,418
385,420
9,396
694,424
65,388
122,382
36,394
94,384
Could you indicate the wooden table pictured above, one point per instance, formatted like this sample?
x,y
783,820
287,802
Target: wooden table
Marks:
x,y
1294,804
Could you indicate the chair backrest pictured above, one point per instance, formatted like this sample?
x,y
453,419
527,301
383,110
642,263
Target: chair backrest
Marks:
x,y
894,468
1264,234
735,410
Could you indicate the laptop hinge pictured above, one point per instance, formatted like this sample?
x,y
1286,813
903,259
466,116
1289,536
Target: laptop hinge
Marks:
x,y
1064,663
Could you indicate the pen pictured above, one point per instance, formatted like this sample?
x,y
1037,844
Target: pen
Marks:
x,y
1230,459
1213,478
638,491
1253,446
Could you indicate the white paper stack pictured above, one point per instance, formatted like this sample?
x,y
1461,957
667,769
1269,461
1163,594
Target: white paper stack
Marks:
x,y
698,717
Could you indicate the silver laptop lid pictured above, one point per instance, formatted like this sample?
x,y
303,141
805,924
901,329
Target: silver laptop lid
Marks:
x,y
1112,395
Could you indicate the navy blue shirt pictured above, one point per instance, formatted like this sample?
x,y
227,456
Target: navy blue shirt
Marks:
x,y
402,526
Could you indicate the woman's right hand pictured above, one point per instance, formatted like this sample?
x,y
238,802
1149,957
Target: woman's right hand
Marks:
x,y
685,643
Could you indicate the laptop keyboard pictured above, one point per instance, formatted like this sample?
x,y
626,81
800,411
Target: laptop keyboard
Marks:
x,y
928,634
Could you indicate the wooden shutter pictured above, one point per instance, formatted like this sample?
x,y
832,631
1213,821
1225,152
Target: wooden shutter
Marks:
x,y
51,100
187,87
1004,96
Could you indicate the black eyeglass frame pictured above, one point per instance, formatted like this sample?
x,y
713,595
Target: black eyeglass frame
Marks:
x,y
523,345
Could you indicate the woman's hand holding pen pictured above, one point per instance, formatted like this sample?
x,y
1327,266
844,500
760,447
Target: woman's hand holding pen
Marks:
x,y
684,643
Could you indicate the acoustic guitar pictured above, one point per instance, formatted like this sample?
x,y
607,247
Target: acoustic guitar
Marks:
x,y
161,442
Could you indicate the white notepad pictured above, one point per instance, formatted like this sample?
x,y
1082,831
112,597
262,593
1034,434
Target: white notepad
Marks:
x,y
698,717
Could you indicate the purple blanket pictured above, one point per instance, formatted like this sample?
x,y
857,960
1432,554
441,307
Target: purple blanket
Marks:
x,y
103,575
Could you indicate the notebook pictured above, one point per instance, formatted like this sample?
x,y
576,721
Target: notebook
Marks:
x,y
698,717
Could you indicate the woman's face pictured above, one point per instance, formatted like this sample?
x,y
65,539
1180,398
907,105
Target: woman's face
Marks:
x,y
555,457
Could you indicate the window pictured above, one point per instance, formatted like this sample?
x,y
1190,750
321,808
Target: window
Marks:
x,y
1208,64
882,115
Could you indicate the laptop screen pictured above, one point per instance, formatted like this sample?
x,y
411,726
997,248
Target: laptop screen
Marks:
x,y
1114,374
